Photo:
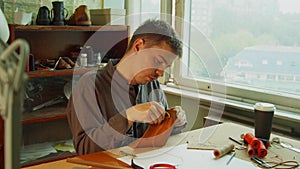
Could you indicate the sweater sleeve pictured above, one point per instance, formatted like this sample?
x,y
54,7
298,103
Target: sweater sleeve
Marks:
x,y
90,129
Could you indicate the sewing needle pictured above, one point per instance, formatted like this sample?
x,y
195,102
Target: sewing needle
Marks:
x,y
231,157
128,154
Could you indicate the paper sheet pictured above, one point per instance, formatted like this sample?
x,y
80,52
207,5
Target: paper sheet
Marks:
x,y
184,158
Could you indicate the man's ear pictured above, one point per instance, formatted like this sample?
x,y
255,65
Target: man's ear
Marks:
x,y
138,44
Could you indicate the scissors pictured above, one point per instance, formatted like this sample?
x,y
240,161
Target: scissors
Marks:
x,y
162,166
154,166
285,164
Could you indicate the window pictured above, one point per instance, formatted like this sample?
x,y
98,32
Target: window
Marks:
x,y
140,10
279,62
265,62
238,45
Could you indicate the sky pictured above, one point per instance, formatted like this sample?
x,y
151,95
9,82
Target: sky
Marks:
x,y
289,6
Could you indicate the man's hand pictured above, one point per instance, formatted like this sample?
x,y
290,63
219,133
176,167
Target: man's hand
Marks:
x,y
150,112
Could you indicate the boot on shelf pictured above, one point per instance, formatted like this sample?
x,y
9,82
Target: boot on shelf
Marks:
x,y
43,17
80,16
58,13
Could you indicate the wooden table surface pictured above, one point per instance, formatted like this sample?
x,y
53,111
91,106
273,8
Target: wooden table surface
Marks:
x,y
214,135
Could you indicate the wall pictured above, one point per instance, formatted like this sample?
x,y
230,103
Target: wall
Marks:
x,y
9,6
194,114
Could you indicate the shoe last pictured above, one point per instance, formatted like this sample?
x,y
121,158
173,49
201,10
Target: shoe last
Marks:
x,y
80,17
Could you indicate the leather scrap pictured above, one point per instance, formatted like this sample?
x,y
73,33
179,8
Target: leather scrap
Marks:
x,y
157,135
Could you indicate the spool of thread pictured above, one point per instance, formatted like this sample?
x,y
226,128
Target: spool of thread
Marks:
x,y
27,66
252,140
267,144
31,63
250,150
223,150
261,150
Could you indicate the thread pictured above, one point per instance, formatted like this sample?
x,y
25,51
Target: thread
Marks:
x,y
252,140
261,150
31,63
268,144
255,145
27,65
250,150
223,150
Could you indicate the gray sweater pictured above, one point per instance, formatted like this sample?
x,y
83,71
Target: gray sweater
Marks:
x,y
96,109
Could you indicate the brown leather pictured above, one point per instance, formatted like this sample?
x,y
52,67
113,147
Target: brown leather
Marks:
x,y
102,158
157,135
80,17
69,61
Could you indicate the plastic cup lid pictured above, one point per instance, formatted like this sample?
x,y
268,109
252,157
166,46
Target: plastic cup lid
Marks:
x,y
264,106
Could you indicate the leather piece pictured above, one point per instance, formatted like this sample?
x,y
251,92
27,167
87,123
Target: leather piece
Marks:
x,y
157,135
104,158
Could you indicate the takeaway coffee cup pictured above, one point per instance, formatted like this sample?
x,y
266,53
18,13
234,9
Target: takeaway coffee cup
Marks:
x,y
264,113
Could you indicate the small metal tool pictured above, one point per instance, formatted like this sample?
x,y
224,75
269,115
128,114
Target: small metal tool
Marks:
x,y
53,101
234,140
261,162
285,145
290,147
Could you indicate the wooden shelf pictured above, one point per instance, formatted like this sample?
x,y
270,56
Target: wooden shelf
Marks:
x,y
49,73
69,28
52,42
45,114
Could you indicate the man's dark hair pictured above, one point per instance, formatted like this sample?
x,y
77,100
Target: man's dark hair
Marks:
x,y
154,32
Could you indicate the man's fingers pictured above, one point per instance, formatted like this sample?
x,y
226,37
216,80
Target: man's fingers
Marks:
x,y
156,114
162,113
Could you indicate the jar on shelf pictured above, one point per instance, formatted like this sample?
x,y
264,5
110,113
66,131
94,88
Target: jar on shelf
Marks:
x,y
83,60
97,55
90,56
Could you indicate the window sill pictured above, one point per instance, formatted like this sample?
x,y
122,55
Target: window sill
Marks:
x,y
285,115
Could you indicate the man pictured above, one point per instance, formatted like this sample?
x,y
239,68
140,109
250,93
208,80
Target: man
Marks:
x,y
112,107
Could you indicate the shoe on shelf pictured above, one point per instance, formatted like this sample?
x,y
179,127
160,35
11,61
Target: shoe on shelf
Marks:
x,y
80,16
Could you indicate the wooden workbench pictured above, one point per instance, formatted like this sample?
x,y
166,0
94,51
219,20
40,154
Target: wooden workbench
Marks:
x,y
215,135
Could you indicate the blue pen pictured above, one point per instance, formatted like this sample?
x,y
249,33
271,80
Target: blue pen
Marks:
x,y
233,154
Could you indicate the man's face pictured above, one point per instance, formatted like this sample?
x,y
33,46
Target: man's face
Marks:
x,y
150,63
